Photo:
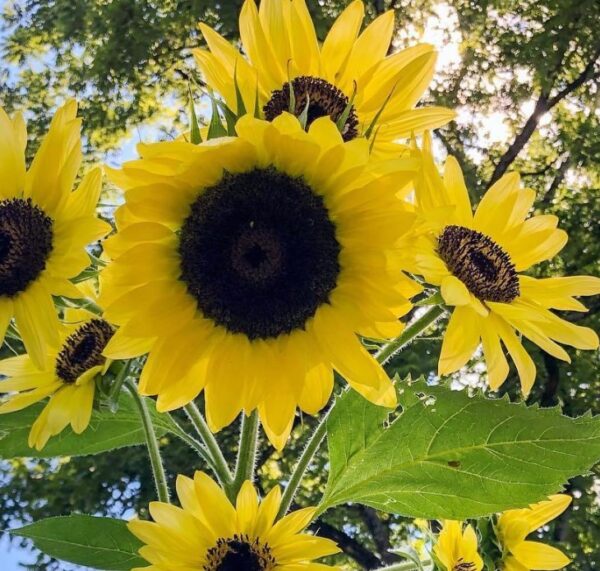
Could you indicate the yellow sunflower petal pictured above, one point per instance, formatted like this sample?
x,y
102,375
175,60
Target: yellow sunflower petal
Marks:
x,y
12,159
454,291
247,507
37,322
50,178
370,47
523,362
340,39
539,556
541,513
460,340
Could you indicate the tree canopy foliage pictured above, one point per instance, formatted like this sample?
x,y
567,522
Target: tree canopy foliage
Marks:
x,y
525,78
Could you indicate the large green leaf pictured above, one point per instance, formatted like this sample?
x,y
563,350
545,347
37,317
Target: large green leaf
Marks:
x,y
97,542
107,431
447,455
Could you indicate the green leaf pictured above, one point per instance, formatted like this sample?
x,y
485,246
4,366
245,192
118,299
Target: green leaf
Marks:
x,y
107,431
447,455
96,542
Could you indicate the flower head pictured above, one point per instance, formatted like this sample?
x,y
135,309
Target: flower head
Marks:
x,y
44,227
209,533
456,547
515,525
246,266
349,78
68,378
478,258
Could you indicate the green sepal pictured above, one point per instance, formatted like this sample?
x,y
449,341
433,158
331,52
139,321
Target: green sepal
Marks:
x,y
195,135
215,127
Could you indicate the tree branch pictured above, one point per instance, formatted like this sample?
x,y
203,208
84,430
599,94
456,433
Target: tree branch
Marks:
x,y
348,544
380,533
544,104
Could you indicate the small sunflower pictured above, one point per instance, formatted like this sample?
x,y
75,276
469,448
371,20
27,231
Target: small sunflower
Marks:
x,y
249,264
477,260
349,78
456,548
515,525
68,379
208,533
44,227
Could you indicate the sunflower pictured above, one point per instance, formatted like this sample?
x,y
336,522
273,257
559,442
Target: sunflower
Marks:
x,y
515,525
44,227
456,548
477,260
349,78
249,264
208,533
68,379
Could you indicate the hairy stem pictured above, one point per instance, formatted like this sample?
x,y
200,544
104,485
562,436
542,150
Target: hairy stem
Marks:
x,y
219,463
410,333
313,445
405,566
158,470
246,459
194,444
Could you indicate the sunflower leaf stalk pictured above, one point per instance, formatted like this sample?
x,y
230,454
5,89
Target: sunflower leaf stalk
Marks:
x,y
219,464
158,470
246,459
406,566
312,447
413,330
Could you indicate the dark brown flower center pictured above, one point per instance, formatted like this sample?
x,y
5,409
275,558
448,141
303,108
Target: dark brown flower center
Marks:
x,y
239,553
82,350
481,264
25,244
259,253
323,100
464,566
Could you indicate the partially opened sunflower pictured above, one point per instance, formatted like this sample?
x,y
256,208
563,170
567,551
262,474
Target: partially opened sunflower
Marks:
x,y
349,78
249,264
211,534
522,554
68,378
456,547
477,259
44,226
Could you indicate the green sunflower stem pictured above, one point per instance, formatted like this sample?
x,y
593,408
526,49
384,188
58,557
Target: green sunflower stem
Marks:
x,y
312,447
317,437
219,464
405,566
158,470
246,459
192,443
409,334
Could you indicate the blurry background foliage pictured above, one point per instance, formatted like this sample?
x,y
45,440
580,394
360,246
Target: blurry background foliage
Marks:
x,y
524,76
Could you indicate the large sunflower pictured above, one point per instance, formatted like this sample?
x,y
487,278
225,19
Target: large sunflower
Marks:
x,y
208,533
249,264
44,227
68,378
476,259
281,45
